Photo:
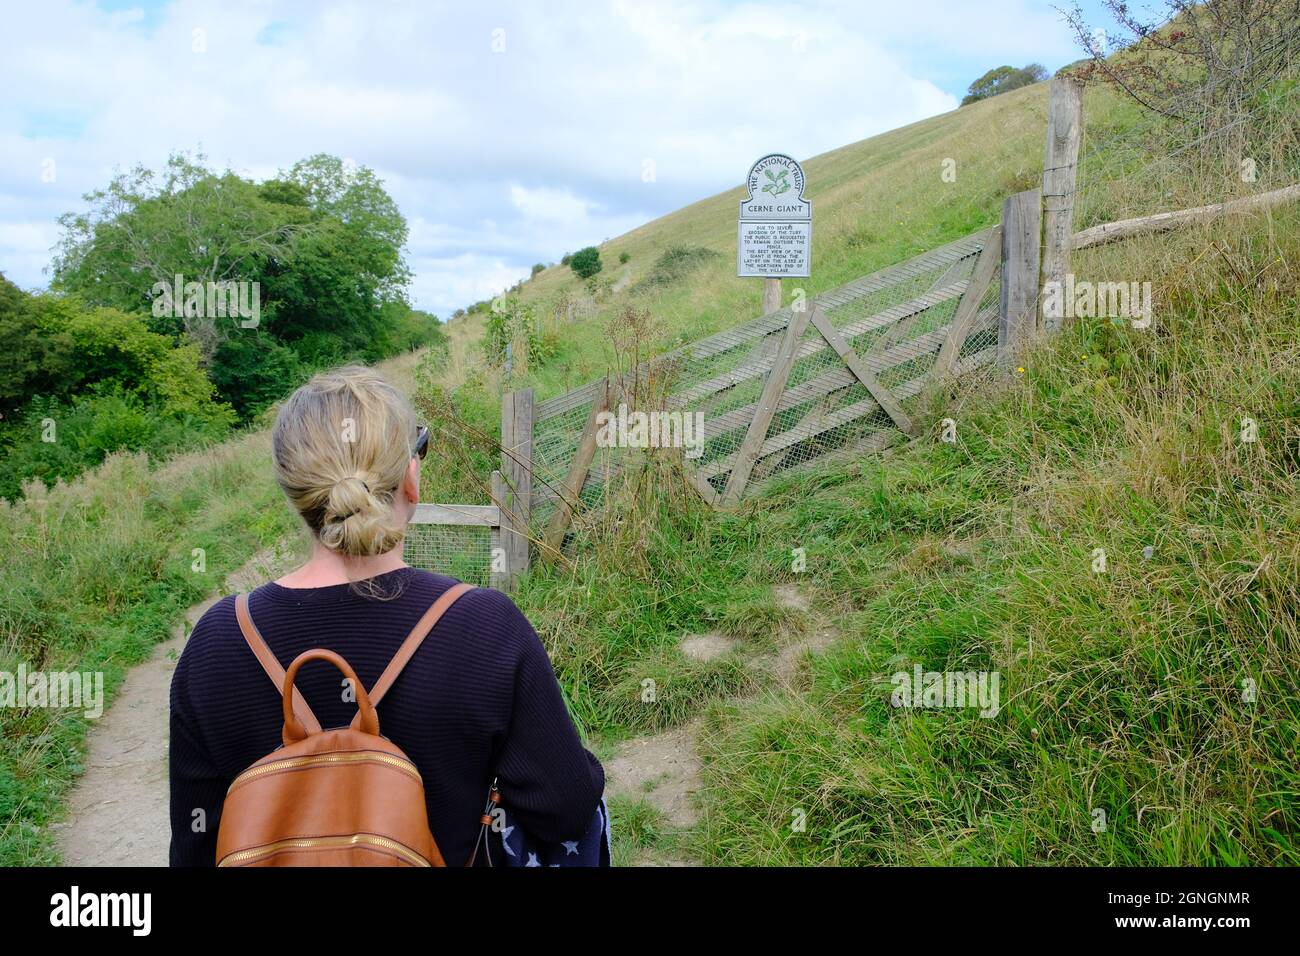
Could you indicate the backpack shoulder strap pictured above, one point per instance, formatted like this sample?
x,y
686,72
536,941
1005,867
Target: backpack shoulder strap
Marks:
x,y
271,665
412,643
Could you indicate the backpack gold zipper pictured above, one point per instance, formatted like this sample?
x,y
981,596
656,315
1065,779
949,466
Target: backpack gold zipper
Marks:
x,y
290,763
299,843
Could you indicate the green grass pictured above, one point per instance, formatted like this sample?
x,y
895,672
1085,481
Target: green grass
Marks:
x,y
1121,691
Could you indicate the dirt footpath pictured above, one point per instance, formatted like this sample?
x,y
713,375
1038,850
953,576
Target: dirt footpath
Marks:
x,y
117,814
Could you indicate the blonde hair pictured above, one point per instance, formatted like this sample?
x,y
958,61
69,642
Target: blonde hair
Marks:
x,y
342,444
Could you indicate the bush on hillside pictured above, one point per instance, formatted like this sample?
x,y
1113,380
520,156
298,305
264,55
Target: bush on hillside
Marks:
x,y
586,262
1202,64
678,262
55,440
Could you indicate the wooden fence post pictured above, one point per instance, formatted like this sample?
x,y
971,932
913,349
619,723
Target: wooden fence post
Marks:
x,y
771,295
1060,173
1018,308
497,540
517,478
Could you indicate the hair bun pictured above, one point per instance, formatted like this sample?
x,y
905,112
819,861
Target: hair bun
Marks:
x,y
348,497
356,522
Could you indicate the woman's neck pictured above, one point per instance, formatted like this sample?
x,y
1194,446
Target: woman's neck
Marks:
x,y
325,568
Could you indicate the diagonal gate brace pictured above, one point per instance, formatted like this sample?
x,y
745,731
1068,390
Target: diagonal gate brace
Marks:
x,y
863,374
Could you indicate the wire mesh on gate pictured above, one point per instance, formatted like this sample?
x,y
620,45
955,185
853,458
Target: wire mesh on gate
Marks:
x,y
463,552
895,320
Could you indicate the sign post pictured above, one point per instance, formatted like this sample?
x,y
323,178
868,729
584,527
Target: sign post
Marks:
x,y
774,236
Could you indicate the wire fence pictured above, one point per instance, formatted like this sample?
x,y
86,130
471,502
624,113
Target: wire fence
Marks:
x,y
463,552
894,320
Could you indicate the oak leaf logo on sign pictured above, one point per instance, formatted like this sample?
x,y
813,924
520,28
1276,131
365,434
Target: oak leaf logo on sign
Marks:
x,y
778,183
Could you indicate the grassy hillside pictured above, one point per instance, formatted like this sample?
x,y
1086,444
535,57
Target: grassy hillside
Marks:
x,y
1149,710
1161,691
875,202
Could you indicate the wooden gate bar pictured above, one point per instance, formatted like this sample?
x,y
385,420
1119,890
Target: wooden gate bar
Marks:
x,y
571,489
969,306
864,374
772,389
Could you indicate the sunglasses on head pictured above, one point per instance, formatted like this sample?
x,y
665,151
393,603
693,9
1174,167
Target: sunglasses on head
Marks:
x,y
422,441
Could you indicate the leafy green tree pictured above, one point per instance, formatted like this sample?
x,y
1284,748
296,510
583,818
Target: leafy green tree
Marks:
x,y
322,242
254,370
35,360
586,262
1003,79
117,348
145,229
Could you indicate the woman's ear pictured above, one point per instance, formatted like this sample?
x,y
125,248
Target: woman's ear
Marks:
x,y
411,483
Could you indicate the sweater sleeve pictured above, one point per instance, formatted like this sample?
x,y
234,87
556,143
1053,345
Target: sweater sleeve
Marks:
x,y
549,782
197,788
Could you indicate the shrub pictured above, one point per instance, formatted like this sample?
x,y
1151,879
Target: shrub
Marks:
x,y
252,370
88,429
538,267
623,257
586,262
678,262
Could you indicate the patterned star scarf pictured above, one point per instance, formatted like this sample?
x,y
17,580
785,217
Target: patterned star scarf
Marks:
x,y
505,843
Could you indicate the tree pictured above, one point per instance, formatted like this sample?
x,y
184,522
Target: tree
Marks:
x,y
1003,79
145,229
118,348
320,246
35,360
586,262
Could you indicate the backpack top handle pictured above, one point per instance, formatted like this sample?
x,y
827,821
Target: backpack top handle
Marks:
x,y
367,721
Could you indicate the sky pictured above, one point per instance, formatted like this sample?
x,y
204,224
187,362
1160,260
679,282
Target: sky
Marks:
x,y
508,133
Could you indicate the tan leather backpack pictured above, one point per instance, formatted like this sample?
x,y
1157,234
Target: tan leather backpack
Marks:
x,y
344,797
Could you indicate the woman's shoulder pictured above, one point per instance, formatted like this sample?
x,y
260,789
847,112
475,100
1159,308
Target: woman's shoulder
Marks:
x,y
490,614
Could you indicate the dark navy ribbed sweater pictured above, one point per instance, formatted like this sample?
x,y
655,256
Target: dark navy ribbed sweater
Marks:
x,y
479,699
